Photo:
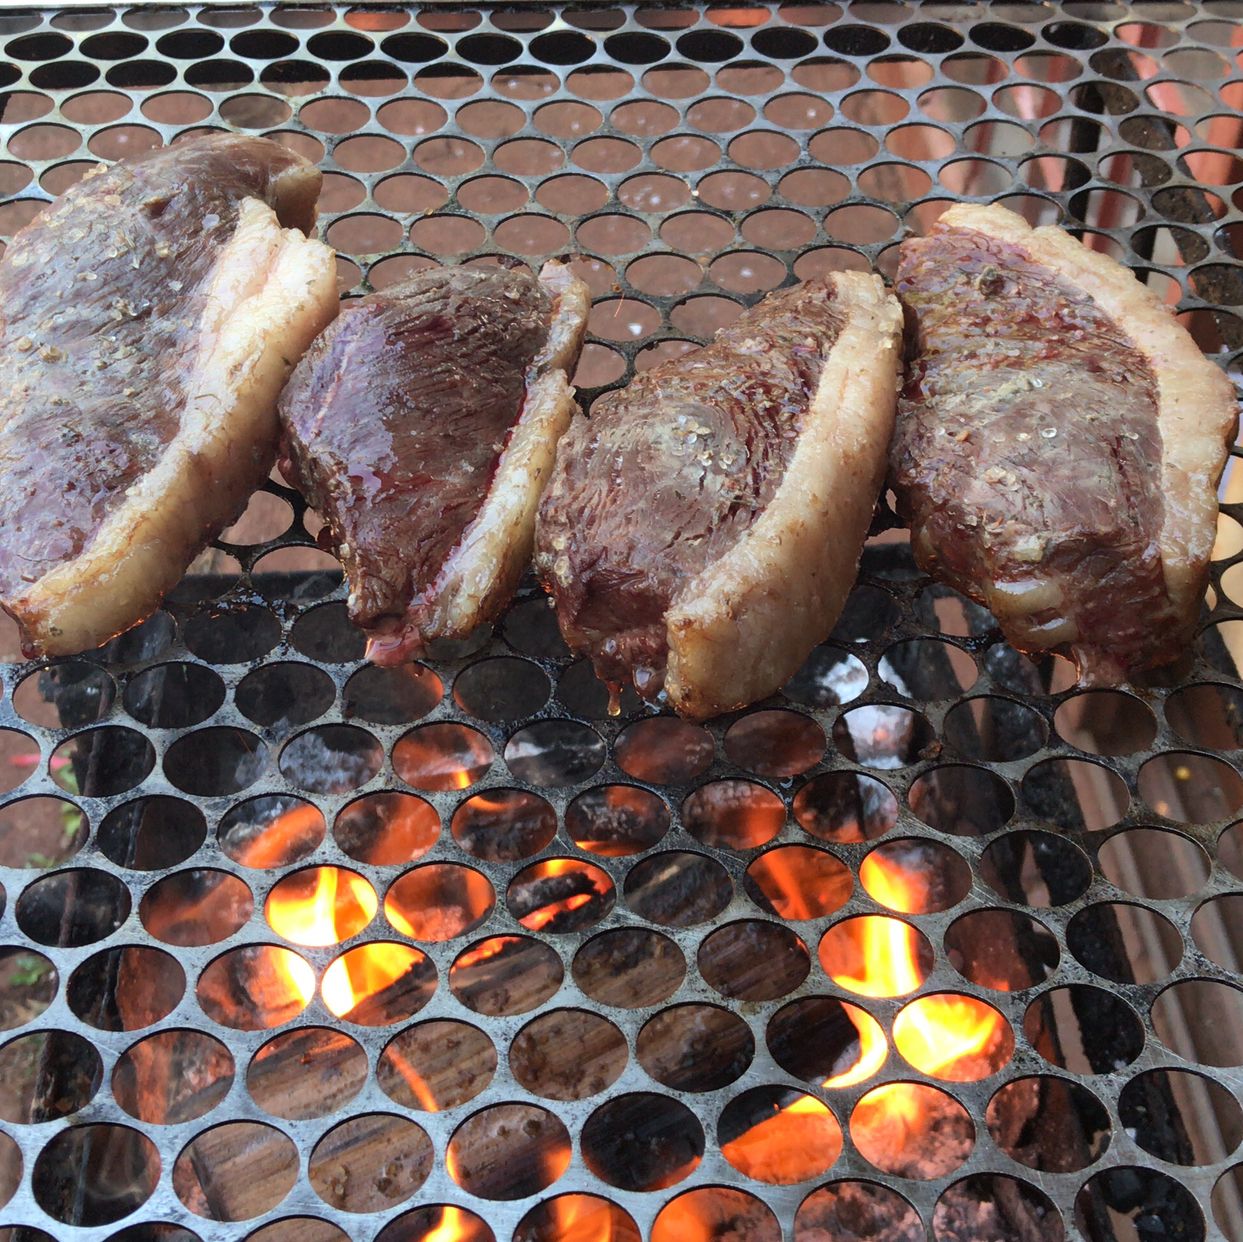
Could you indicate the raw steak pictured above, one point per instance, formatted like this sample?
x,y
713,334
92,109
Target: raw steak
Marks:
x,y
704,526
148,319
422,425
1059,442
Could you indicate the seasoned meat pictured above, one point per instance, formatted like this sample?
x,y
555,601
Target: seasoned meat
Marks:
x,y
703,527
148,319
1059,442
422,425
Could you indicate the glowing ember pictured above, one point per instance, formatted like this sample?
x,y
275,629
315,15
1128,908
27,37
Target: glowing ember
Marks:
x,y
547,895
797,1142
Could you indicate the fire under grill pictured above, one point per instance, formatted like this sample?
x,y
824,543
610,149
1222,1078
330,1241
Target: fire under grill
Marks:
x,y
929,945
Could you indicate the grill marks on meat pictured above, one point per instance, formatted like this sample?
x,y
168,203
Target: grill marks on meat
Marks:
x,y
672,533
149,318
402,427
1033,455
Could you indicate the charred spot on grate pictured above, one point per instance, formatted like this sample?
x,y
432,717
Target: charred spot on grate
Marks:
x,y
929,943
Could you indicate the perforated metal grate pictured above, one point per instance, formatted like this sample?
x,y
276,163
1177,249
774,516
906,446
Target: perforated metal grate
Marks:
x,y
296,946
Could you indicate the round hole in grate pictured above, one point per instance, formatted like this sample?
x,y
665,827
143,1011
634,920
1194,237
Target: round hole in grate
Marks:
x,y
678,889
829,677
48,1075
149,834
504,825
436,1065
1206,714
73,908
1003,950
96,764
927,668
912,1130
715,1211
629,968
576,1215
753,960
10,1169
332,758
1106,722
439,901
775,743
214,762
502,688
1191,1018
273,830
1035,868
779,1135
796,882
296,571
733,814
174,696
1173,865
386,829
1058,1022
287,1229
320,906
256,987
560,895
1211,927
642,1141
66,695
197,907
854,1211
1136,1203
881,735
616,820
914,876
1191,788
555,752
1180,1117
95,1174
1050,1124
430,1224
40,832
28,982
504,975
1124,943
243,633
875,955
508,1151
442,756
824,1040
695,1047
352,1167
1002,1197
379,983
172,1077
124,989
283,695
664,750
952,1037
994,729
568,1054
530,627
326,635
305,1073
844,807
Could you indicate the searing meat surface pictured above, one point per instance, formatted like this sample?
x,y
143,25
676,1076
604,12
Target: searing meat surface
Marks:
x,y
422,425
148,319
1059,442
703,527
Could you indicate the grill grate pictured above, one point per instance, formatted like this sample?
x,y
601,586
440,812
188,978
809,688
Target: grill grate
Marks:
x,y
617,1024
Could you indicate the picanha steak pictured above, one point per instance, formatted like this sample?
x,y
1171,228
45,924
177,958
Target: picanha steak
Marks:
x,y
148,319
422,425
1059,442
703,527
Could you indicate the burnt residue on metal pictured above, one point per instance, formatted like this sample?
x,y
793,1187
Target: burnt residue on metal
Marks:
x,y
179,809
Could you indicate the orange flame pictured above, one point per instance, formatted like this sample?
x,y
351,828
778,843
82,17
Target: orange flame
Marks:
x,y
419,1088
455,1226
542,916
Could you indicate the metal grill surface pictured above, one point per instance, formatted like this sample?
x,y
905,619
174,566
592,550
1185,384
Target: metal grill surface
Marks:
x,y
175,1053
